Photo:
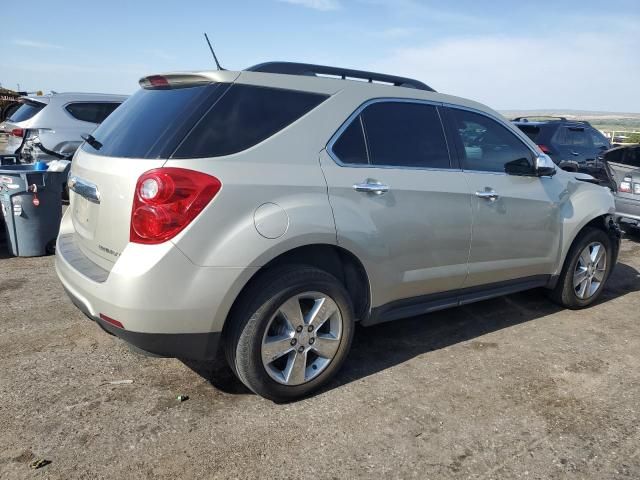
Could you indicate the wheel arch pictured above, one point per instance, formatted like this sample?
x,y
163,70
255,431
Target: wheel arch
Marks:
x,y
336,260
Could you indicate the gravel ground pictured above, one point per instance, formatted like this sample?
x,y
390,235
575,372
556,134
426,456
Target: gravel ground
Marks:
x,y
508,388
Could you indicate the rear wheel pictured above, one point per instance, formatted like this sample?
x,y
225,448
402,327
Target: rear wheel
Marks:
x,y
586,270
292,332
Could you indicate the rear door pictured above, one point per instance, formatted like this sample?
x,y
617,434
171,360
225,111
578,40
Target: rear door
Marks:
x,y
399,202
516,227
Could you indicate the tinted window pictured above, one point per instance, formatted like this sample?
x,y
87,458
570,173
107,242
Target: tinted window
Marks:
x,y
151,123
572,137
405,134
486,145
26,111
350,147
245,116
530,131
91,112
599,140
629,156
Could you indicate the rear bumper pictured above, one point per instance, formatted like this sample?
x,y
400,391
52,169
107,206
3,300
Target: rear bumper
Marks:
x,y
628,209
167,305
193,346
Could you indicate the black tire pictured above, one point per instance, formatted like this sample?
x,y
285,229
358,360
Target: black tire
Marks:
x,y
259,303
564,292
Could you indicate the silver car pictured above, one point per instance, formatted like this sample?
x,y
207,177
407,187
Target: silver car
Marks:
x,y
56,121
263,213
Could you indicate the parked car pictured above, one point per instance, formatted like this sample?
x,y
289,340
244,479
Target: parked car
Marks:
x,y
56,121
572,145
266,211
624,163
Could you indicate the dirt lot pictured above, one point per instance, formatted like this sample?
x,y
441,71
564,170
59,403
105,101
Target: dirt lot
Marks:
x,y
507,388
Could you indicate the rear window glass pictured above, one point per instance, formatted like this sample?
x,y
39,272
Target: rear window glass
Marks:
x,y
530,131
91,112
243,117
26,111
151,123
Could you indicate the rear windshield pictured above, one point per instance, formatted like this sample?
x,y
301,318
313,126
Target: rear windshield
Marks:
x,y
530,131
200,121
26,111
148,122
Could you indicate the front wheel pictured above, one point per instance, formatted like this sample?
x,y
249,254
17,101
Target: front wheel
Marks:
x,y
292,332
586,270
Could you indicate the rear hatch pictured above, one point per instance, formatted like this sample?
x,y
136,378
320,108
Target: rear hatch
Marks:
x,y
137,137
14,127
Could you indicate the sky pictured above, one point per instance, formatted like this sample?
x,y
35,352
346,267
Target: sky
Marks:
x,y
544,54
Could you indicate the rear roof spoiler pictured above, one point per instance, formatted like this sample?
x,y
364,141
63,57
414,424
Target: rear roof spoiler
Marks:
x,y
307,69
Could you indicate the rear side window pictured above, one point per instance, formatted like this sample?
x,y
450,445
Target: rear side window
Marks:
x,y
395,134
243,117
350,147
572,137
487,145
26,111
531,131
91,112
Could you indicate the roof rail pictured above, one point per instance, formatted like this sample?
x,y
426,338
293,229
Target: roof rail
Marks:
x,y
307,69
527,117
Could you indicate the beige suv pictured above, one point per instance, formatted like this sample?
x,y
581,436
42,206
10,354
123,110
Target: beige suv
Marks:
x,y
265,212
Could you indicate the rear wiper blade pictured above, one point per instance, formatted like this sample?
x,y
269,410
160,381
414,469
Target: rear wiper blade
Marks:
x,y
90,139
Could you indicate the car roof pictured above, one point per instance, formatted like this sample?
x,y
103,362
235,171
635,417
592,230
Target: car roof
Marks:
x,y
77,96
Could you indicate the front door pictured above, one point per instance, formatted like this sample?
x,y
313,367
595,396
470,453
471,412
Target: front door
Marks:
x,y
398,203
516,226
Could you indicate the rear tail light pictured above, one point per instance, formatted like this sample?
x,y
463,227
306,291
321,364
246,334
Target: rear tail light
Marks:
x,y
544,149
636,188
166,200
625,187
17,132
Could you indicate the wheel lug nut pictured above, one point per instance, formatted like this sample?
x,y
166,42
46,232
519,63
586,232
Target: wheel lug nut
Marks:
x,y
293,341
299,328
311,341
310,328
301,349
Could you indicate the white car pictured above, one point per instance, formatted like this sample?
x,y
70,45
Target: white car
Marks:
x,y
56,121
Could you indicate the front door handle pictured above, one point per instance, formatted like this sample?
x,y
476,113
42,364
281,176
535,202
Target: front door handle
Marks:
x,y
490,195
369,186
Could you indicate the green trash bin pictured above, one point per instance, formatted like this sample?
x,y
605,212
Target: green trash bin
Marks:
x,y
31,202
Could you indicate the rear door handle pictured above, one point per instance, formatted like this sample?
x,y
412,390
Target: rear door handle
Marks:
x,y
490,195
370,186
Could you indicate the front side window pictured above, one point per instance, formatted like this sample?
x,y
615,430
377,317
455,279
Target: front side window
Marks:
x,y
486,145
599,140
395,134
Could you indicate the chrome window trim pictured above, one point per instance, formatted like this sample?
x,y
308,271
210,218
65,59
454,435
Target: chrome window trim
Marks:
x,y
355,114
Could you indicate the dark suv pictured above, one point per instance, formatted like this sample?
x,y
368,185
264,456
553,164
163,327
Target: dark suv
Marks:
x,y
573,145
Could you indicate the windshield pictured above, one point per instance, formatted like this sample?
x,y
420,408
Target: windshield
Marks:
x,y
26,111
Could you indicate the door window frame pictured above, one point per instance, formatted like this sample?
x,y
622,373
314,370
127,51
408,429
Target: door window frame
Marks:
x,y
355,115
456,141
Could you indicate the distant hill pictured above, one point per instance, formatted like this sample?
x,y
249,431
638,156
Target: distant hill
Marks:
x,y
602,120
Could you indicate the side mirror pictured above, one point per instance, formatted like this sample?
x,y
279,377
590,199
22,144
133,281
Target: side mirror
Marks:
x,y
544,166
